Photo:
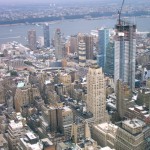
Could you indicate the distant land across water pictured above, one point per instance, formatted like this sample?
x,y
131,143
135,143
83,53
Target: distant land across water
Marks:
x,y
18,32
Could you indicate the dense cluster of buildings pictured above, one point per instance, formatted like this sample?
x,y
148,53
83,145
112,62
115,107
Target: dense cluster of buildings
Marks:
x,y
77,93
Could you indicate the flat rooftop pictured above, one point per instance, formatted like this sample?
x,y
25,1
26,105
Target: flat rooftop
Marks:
x,y
134,123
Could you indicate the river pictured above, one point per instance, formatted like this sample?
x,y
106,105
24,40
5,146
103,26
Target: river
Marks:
x,y
18,32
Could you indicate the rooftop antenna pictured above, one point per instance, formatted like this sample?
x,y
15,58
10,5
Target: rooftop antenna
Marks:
x,y
120,11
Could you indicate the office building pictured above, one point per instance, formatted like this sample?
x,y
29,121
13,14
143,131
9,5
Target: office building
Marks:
x,y
123,95
103,40
125,51
105,134
24,95
134,135
57,120
82,53
16,130
96,94
32,39
88,39
109,65
59,45
73,44
46,35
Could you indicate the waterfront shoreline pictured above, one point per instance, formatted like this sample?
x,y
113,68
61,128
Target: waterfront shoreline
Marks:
x,y
56,21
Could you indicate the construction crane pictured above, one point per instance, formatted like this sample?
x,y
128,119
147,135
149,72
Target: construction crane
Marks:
x,y
120,11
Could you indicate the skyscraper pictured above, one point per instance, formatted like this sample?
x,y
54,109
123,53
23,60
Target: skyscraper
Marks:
x,y
46,35
125,50
88,39
32,39
73,44
109,65
96,94
123,95
102,46
89,44
59,45
82,53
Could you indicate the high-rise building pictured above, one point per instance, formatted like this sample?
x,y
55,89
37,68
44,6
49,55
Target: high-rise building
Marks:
x,y
89,44
103,41
109,65
24,95
73,44
88,39
32,39
82,53
125,51
123,95
96,94
57,119
59,45
46,35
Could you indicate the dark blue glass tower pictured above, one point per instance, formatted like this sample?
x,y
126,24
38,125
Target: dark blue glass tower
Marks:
x,y
102,46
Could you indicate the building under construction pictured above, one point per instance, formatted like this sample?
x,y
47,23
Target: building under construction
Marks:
x,y
125,51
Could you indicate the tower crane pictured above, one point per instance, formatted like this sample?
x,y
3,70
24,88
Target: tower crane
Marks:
x,y
119,12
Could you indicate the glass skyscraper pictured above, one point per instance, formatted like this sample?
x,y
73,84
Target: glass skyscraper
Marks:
x,y
125,51
103,41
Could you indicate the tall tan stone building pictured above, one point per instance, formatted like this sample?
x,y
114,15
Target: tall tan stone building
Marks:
x,y
96,94
123,95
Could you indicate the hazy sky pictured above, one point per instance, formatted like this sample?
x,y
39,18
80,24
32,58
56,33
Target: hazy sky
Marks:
x,y
10,2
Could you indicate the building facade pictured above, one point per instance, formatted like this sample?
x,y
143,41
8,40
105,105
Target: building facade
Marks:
x,y
73,44
105,134
88,39
82,53
134,135
46,35
103,41
32,39
109,65
96,94
123,95
125,51
59,45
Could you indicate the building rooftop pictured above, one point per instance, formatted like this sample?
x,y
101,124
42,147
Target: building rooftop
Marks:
x,y
106,148
107,127
20,85
30,135
47,141
134,123
15,125
66,108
